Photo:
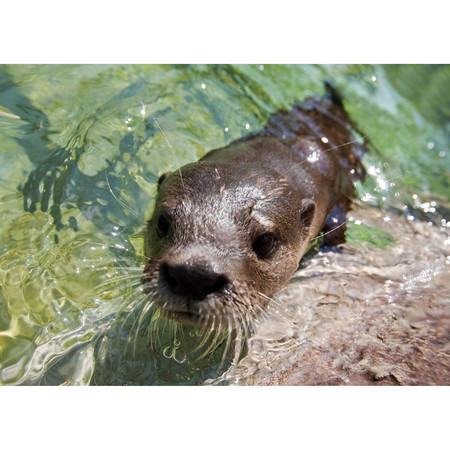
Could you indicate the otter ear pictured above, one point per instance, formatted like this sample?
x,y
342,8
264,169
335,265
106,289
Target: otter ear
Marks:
x,y
307,212
162,178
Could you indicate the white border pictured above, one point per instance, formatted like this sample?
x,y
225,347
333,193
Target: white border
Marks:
x,y
203,31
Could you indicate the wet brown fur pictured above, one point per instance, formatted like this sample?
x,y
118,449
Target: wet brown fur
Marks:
x,y
293,179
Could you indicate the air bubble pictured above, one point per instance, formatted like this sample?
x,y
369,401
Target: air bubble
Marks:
x,y
179,356
167,352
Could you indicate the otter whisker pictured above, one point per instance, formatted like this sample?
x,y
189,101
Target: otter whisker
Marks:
x,y
117,300
120,202
172,329
155,329
133,283
331,231
239,302
215,339
227,344
113,264
247,317
242,332
239,344
171,149
113,279
147,307
218,333
271,299
131,309
205,320
125,269
103,245
249,320
262,316
153,326
288,314
206,336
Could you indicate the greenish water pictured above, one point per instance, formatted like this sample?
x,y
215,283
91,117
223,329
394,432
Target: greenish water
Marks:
x,y
81,148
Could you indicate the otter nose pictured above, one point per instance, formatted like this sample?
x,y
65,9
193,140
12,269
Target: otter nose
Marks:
x,y
193,281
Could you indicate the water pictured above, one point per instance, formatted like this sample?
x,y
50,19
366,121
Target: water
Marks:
x,y
81,148
363,315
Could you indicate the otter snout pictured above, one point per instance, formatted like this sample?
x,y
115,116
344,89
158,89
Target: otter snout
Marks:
x,y
193,281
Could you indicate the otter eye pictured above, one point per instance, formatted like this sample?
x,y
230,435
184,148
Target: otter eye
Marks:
x,y
163,226
264,245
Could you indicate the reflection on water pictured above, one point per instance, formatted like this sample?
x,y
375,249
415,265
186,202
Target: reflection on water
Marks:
x,y
79,159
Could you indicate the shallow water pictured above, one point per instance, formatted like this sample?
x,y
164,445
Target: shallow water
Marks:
x,y
361,315
81,148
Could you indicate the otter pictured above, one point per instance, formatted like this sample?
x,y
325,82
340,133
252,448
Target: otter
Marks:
x,y
229,230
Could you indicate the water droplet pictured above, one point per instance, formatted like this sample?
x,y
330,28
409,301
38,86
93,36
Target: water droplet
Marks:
x,y
167,352
179,356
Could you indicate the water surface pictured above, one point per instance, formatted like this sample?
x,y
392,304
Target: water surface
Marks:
x,y
81,148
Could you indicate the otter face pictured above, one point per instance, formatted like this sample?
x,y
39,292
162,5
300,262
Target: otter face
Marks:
x,y
222,241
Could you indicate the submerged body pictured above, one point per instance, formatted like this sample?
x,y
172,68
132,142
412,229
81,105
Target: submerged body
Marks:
x,y
229,231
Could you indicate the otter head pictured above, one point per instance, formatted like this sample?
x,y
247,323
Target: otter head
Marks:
x,y
222,241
